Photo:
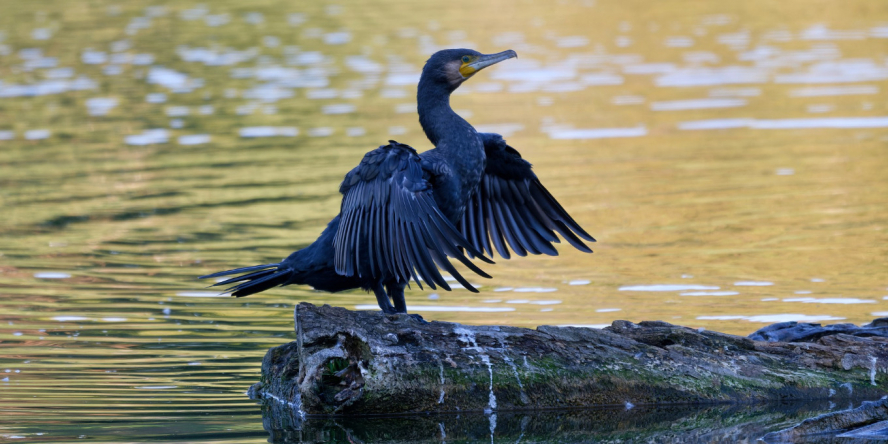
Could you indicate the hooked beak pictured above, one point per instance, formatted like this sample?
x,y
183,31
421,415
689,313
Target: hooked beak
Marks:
x,y
484,61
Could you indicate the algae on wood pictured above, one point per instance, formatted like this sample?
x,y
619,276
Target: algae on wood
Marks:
x,y
356,362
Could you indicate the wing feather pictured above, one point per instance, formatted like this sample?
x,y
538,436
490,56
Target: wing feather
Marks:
x,y
391,227
512,210
495,233
481,225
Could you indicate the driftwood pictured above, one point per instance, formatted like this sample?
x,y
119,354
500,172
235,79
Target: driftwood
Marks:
x,y
807,332
363,363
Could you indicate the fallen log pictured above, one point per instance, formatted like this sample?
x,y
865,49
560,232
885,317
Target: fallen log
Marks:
x,y
808,332
364,363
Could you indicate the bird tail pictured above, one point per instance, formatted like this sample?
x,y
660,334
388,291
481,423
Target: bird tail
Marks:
x,y
259,278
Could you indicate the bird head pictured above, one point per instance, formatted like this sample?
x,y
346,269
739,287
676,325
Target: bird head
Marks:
x,y
452,67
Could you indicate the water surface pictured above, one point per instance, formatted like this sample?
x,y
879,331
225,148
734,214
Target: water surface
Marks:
x,y
729,158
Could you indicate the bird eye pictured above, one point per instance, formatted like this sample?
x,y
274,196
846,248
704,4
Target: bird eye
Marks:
x,y
466,59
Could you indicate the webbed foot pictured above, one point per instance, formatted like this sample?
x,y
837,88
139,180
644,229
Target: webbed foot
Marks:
x,y
417,318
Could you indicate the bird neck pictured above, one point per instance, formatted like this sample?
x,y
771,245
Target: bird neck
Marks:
x,y
441,124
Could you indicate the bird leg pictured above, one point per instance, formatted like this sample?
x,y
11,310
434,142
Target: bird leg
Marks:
x,y
383,300
396,292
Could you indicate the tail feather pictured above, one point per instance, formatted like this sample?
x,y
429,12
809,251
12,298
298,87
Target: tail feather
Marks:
x,y
239,270
246,277
267,276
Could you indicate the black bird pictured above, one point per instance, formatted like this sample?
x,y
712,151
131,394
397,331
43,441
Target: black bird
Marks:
x,y
403,213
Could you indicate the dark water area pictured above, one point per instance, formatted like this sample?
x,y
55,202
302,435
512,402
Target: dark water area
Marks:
x,y
615,424
669,423
729,157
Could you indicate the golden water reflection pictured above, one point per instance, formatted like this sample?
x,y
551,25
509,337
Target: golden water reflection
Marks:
x,y
729,158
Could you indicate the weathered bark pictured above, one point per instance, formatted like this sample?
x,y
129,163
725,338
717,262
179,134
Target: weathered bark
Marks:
x,y
808,332
349,362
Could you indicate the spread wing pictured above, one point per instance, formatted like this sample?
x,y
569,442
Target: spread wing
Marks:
x,y
512,206
390,224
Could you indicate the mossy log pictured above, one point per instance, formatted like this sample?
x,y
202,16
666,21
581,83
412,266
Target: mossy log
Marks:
x,y
365,363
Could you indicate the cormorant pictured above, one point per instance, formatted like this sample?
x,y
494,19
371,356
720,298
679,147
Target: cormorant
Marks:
x,y
404,213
